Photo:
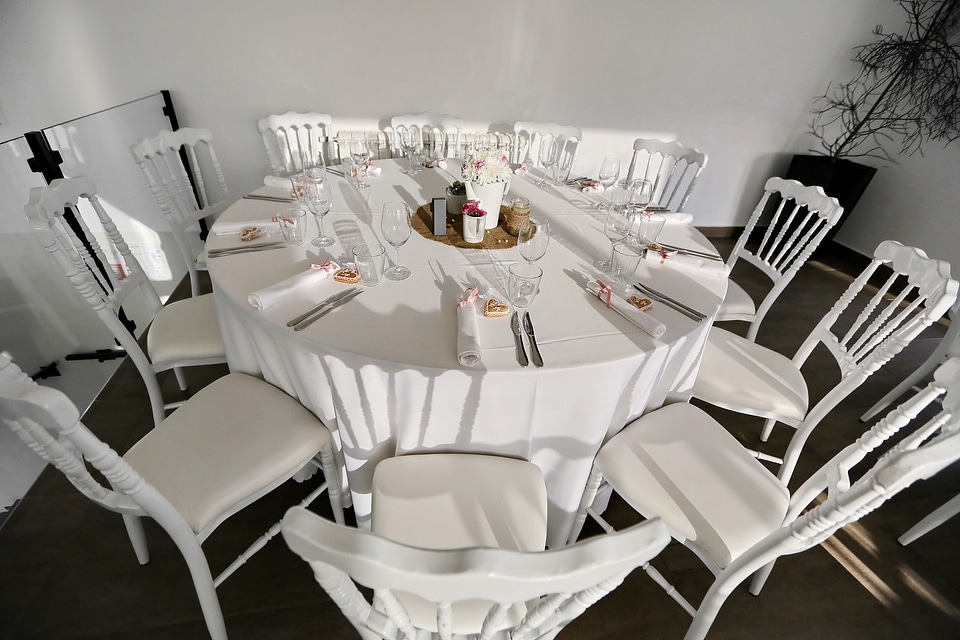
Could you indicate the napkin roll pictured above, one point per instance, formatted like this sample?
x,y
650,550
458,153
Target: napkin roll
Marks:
x,y
674,217
693,263
278,182
268,295
642,319
226,228
468,331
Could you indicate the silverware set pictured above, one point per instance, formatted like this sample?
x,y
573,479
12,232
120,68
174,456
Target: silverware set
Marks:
x,y
251,248
676,305
518,333
327,305
256,196
691,252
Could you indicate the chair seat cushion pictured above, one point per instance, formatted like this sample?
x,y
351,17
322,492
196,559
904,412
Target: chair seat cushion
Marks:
x,y
236,438
736,302
743,376
680,464
450,501
185,330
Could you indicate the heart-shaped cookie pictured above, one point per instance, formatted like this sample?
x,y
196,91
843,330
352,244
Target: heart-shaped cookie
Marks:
x,y
495,309
250,233
644,304
347,275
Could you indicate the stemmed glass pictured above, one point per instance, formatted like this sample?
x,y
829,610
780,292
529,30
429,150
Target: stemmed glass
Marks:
x,y
533,239
608,176
641,193
395,227
411,143
616,226
549,154
360,154
319,201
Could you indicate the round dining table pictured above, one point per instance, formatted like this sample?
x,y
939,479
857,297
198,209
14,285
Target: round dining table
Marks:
x,y
382,370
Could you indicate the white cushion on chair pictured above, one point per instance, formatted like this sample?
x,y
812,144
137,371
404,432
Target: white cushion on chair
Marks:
x,y
680,464
450,501
736,301
252,435
755,379
186,329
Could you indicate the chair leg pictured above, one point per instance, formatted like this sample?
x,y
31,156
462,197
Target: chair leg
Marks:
x,y
202,581
332,476
134,527
760,578
767,429
181,378
932,521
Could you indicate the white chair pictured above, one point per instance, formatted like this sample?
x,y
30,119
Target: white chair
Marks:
x,y
457,552
439,133
295,141
671,167
742,376
181,334
186,193
230,444
679,465
527,146
797,225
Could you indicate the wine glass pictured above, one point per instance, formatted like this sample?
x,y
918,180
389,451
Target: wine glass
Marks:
x,y
549,154
319,201
360,154
616,226
533,238
608,176
641,193
395,227
411,143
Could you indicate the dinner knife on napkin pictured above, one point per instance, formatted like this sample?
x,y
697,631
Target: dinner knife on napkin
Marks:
x,y
534,348
518,339
345,299
265,246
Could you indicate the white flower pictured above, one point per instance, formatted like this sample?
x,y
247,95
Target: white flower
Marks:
x,y
485,165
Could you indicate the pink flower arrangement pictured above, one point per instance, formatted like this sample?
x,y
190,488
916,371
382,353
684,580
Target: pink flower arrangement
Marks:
x,y
472,208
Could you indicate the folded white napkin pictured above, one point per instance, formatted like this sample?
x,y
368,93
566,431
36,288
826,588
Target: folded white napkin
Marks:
x,y
672,217
268,295
278,182
678,260
226,228
642,319
468,332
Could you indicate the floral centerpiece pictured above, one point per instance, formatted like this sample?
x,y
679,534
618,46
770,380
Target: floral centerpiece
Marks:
x,y
484,165
486,172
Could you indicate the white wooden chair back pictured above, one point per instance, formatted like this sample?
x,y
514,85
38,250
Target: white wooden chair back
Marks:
x,y
800,221
186,193
867,327
529,134
672,168
296,141
105,290
439,133
552,587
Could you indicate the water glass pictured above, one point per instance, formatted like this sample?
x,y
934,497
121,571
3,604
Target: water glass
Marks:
x,y
293,225
370,259
626,259
523,283
651,225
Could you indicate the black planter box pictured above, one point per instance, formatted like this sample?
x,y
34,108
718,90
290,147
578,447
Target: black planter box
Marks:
x,y
844,180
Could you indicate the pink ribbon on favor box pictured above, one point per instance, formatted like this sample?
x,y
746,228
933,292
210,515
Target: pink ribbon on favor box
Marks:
x,y
469,296
605,289
328,266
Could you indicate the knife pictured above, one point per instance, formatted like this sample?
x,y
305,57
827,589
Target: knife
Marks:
x,y
518,339
255,196
267,246
319,306
534,348
691,252
345,299
670,302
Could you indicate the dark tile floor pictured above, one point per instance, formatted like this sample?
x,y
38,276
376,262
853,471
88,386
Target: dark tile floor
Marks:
x,y
67,571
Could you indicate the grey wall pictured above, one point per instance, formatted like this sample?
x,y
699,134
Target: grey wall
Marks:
x,y
734,79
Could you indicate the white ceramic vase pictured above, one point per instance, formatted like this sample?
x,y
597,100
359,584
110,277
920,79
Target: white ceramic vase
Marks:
x,y
490,196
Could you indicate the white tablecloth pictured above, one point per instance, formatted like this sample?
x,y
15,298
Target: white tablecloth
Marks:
x,y
382,371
